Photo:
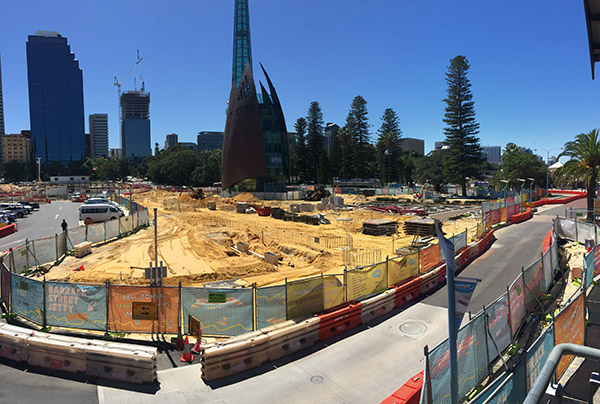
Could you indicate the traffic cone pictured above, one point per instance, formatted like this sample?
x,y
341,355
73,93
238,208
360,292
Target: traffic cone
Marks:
x,y
180,345
196,348
186,356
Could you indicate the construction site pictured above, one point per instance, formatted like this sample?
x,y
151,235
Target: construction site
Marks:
x,y
206,240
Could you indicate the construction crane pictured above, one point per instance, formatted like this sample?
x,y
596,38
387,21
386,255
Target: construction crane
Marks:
x,y
118,83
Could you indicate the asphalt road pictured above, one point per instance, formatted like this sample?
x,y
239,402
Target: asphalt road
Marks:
x,y
42,222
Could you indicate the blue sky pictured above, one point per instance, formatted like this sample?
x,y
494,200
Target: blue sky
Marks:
x,y
530,65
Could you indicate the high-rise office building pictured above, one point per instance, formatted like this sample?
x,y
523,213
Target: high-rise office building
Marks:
x,y
55,99
16,147
412,144
255,148
98,135
209,141
492,154
135,127
171,140
1,103
331,131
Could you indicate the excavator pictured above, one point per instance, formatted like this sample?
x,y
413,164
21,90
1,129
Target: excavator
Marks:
x,y
319,193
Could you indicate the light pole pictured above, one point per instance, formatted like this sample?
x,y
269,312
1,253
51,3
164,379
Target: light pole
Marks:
x,y
522,181
530,189
548,163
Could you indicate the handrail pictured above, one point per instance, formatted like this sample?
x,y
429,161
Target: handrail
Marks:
x,y
539,387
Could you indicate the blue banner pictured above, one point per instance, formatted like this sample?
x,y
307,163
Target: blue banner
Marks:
x,y
463,290
76,306
27,298
537,355
221,312
512,390
270,306
588,267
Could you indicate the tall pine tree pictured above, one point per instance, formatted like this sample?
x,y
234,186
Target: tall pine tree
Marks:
x,y
357,124
299,152
389,141
464,154
314,138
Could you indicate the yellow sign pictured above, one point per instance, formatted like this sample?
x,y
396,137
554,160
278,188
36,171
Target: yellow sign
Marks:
x,y
145,311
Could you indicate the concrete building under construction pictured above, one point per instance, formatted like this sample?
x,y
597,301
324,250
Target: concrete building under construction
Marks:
x,y
135,124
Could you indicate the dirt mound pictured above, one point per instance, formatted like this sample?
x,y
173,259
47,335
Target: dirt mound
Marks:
x,y
245,197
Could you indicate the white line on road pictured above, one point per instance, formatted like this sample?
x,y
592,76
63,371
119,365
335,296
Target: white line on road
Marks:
x,y
13,242
60,208
56,217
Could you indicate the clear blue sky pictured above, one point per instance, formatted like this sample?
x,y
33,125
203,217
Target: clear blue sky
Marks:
x,y
530,65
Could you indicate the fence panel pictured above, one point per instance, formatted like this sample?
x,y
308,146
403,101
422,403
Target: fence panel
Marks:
x,y
512,390
498,326
5,281
585,231
126,224
548,270
362,282
61,244
569,327
460,240
44,251
112,229
596,260
143,217
75,236
588,267
503,215
402,268
120,310
333,291
221,312
516,295
20,259
429,257
532,278
554,254
270,305
95,233
472,362
566,229
304,297
76,306
537,355
27,298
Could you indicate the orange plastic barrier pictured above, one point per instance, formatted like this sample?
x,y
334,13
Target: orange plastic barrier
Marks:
x,y
547,241
407,292
521,217
340,320
6,230
410,393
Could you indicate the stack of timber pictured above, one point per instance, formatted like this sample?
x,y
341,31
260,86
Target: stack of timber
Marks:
x,y
380,227
420,227
83,249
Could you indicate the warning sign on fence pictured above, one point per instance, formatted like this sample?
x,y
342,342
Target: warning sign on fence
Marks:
x,y
145,311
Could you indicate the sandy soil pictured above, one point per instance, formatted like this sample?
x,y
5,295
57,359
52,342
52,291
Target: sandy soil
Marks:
x,y
194,243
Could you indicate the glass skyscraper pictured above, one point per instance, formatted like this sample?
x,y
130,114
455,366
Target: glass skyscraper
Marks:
x,y
135,127
55,99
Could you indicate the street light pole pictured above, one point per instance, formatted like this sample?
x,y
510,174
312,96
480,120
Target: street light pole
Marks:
x,y
548,163
530,189
522,181
504,190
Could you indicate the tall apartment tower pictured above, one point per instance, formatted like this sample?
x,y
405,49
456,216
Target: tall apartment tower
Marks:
x,y
135,126
55,99
2,132
255,147
98,135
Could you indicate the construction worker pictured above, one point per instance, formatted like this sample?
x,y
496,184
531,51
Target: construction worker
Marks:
x,y
64,225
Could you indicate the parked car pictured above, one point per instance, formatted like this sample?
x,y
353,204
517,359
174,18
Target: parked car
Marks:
x,y
34,205
10,215
91,201
17,209
97,212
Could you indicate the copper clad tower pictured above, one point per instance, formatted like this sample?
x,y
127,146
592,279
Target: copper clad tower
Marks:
x,y
255,150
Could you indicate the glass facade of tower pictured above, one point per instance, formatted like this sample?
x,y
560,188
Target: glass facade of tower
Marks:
x,y
255,147
135,127
55,99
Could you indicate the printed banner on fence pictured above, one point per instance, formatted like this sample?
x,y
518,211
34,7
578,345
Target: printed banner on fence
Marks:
x,y
588,267
488,220
488,206
516,295
532,278
512,390
429,257
402,268
366,281
463,290
569,326
27,298
503,215
221,312
312,296
495,216
120,311
537,355
498,326
547,270
76,306
472,362
270,306
596,260
460,240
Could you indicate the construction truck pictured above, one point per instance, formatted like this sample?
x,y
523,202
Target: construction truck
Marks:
x,y
319,193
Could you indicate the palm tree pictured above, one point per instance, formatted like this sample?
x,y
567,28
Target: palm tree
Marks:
x,y
583,166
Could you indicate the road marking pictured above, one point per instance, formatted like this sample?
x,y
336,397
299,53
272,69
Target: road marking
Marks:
x,y
56,217
60,208
13,242
497,246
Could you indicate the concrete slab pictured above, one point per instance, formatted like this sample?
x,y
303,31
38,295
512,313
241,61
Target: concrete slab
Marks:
x,y
365,367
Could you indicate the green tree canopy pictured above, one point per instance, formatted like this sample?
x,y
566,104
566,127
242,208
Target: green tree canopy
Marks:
x,y
314,138
430,169
464,156
582,166
517,163
357,125
388,142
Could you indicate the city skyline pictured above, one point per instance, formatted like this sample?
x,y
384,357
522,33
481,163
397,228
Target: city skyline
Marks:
x,y
528,83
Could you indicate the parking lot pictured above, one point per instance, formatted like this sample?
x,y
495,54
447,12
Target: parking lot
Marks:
x,y
42,222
